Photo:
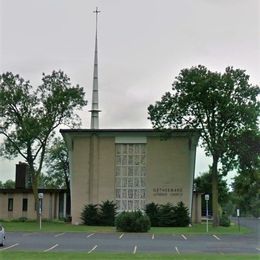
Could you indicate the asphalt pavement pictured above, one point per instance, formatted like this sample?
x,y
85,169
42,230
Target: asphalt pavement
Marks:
x,y
136,242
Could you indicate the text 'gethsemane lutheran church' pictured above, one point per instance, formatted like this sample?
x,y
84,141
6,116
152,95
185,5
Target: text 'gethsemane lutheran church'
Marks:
x,y
132,167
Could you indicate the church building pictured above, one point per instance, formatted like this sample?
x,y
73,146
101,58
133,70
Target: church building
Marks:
x,y
132,167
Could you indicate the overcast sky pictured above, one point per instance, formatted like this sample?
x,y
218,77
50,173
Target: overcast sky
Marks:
x,y
143,45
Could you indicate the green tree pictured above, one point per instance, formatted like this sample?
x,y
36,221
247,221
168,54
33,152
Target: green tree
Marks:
x,y
221,105
246,185
107,213
246,192
203,184
57,165
181,215
9,184
29,117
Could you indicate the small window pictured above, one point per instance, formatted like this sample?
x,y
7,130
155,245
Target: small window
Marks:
x,y
10,204
25,204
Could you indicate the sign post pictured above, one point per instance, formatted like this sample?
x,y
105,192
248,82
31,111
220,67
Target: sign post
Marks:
x,y
207,211
238,221
40,196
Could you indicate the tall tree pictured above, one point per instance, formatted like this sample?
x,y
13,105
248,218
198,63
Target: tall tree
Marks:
x,y
246,185
29,117
57,165
221,105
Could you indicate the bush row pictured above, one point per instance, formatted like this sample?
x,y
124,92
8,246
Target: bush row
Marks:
x,y
167,215
99,214
155,215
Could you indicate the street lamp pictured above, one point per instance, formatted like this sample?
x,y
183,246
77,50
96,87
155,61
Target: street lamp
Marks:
x,y
207,210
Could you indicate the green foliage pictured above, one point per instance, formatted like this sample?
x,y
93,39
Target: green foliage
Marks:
x,y
57,165
224,221
173,216
29,116
134,221
222,106
23,219
246,147
152,211
230,208
166,215
90,215
9,184
255,206
107,213
246,192
246,188
181,215
99,214
203,184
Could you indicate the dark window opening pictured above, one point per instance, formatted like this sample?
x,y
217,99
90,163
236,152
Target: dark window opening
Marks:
x,y
10,204
25,204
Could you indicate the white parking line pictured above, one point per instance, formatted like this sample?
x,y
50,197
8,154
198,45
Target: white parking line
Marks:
x,y
135,248
90,235
121,235
58,235
177,250
90,251
216,237
153,236
5,248
49,249
185,238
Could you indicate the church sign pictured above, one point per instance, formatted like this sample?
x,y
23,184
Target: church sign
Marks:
x,y
167,191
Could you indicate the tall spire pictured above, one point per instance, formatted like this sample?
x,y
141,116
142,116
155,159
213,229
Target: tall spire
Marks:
x,y
94,109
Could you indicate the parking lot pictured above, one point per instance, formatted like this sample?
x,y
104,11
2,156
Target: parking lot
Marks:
x,y
137,242
131,243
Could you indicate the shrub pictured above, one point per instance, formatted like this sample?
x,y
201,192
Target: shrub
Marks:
x,y
134,221
224,221
107,213
21,219
166,215
181,215
90,215
152,211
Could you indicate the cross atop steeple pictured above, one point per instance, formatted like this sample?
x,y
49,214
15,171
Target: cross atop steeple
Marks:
x,y
96,12
94,109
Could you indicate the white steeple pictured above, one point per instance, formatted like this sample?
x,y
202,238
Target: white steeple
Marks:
x,y
94,109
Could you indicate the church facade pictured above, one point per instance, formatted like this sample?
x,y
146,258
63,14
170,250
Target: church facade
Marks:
x,y
132,167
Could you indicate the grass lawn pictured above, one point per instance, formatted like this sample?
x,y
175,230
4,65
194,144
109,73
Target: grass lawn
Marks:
x,y
32,226
100,256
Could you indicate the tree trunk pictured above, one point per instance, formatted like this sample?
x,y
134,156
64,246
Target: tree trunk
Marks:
x,y
215,205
